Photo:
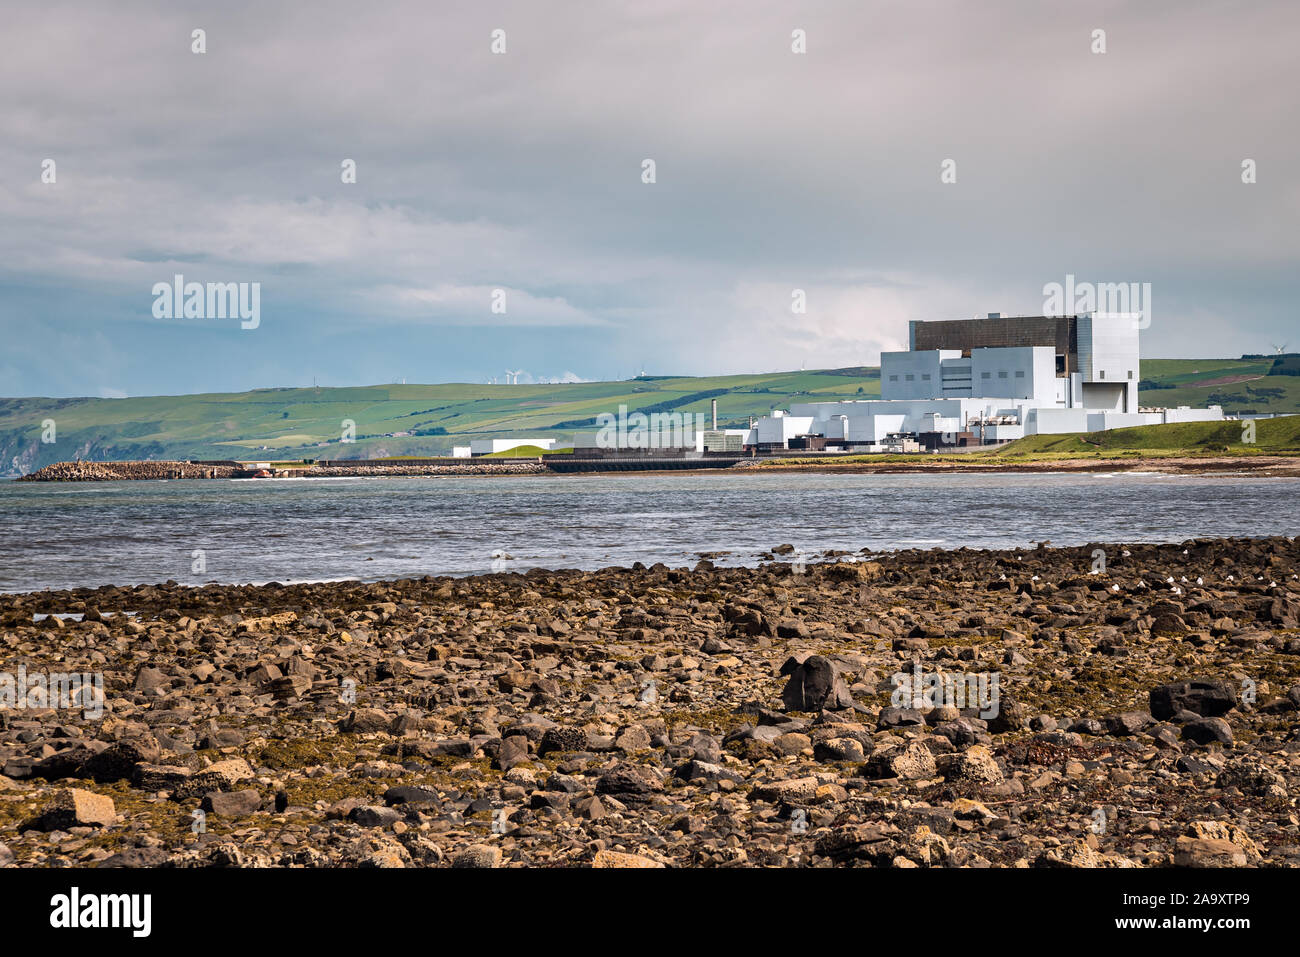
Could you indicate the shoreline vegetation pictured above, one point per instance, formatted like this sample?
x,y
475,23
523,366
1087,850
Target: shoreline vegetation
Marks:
x,y
1140,711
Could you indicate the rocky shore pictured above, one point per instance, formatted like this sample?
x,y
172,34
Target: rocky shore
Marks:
x,y
1129,706
125,471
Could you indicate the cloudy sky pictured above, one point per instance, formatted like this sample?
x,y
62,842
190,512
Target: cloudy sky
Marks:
x,y
523,172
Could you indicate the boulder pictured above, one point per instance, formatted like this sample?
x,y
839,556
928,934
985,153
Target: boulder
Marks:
x,y
814,685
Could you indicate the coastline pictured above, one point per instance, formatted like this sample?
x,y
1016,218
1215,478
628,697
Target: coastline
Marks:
x,y
670,717
1279,466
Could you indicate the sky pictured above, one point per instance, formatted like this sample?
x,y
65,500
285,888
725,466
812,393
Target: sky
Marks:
x,y
518,178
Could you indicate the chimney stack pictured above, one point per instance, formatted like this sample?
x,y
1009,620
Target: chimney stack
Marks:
x,y
715,415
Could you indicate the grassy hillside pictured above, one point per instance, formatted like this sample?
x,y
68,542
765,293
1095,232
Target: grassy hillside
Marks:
x,y
1236,384
526,451
308,423
1272,436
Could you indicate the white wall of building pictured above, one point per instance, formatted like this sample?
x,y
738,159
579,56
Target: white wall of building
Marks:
x,y
913,375
1101,421
1055,421
780,427
1027,372
1108,353
1185,414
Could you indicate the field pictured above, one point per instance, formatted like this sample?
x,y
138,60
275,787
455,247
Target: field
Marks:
x,y
1239,385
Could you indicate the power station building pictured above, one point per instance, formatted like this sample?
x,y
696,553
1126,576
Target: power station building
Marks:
x,y
990,380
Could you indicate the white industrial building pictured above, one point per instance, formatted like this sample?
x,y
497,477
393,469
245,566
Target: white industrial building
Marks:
x,y
988,380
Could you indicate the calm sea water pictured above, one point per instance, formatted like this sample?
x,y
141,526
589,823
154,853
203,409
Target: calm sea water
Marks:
x,y
68,535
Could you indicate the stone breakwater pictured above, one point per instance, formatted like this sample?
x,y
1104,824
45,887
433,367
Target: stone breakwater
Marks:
x,y
119,471
1148,715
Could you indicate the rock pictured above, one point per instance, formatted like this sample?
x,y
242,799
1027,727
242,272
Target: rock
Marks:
x,y
629,783
1128,723
74,807
706,748
791,628
695,771
605,858
477,855
632,738
1168,626
1208,731
136,857
148,678
118,760
221,776
232,803
563,738
793,790
814,685
1089,726
976,764
839,749
914,761
1081,854
968,810
792,742
854,571
1205,698
411,794
1228,833
1208,852
893,717
366,721
373,815
290,687
1011,716
514,751
963,732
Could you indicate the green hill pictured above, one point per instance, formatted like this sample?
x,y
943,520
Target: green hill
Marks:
x,y
1272,436
388,420
1239,385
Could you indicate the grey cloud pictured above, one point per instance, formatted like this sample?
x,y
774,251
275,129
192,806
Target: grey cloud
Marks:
x,y
774,171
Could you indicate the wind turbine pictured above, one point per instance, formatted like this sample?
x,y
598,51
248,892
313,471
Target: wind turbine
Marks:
x,y
1278,349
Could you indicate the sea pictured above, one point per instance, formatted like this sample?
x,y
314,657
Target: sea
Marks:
x,y
67,535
